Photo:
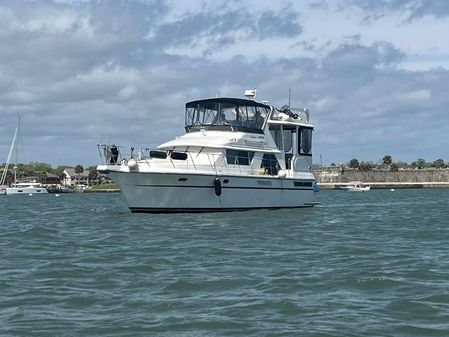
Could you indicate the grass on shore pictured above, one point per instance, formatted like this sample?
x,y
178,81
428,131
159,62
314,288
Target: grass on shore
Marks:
x,y
110,186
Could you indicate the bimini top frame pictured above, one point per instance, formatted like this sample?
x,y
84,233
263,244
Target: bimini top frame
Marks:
x,y
226,114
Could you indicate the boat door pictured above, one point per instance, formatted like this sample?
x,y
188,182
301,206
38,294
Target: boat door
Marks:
x,y
302,159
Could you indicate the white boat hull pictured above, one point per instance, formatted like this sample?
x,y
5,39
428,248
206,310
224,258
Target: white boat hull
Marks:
x,y
356,186
25,190
172,192
358,189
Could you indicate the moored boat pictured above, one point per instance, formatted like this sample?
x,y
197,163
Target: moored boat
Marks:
x,y
26,188
18,188
356,186
3,178
236,154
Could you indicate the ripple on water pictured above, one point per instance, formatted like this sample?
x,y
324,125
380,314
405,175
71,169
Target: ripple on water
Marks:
x,y
371,264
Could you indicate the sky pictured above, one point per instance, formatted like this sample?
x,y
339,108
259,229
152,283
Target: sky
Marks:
x,y
373,73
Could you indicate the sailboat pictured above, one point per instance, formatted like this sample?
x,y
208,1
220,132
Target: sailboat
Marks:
x,y
27,188
8,160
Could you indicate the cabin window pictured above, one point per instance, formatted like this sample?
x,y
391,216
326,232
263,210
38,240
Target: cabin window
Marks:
x,y
255,117
236,157
305,140
288,146
303,183
288,140
276,133
270,164
178,155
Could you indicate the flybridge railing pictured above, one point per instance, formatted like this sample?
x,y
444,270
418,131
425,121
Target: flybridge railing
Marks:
x,y
111,154
216,162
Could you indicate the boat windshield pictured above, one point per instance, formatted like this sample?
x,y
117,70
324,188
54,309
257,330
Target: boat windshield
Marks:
x,y
226,114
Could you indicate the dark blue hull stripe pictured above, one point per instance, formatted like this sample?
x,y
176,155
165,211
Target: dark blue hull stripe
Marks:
x,y
205,210
232,187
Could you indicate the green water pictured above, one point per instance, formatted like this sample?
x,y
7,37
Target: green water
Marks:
x,y
359,264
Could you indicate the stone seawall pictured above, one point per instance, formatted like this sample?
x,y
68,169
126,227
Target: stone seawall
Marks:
x,y
336,177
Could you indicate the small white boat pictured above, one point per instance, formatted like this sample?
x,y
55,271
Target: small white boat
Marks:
x,y
26,188
236,154
18,188
356,186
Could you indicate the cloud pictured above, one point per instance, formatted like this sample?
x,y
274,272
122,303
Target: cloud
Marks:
x,y
84,72
218,29
413,9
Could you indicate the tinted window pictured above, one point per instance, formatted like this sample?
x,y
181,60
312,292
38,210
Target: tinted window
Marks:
x,y
288,140
236,157
270,164
305,140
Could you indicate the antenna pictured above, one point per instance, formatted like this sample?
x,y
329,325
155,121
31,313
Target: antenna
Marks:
x,y
250,93
289,97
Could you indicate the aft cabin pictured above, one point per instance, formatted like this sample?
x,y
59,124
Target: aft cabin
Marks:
x,y
292,134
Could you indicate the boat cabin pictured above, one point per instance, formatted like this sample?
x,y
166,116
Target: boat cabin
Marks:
x,y
287,130
253,138
226,114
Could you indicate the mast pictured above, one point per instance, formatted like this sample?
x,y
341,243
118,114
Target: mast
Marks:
x,y
8,160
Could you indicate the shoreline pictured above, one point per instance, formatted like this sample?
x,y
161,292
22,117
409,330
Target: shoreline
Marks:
x,y
102,190
337,186
388,185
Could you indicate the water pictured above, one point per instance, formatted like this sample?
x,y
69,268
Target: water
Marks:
x,y
359,264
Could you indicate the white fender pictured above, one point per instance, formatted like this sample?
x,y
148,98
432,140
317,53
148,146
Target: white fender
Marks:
x,y
282,174
132,163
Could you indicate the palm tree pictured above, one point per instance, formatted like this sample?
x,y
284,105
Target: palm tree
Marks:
x,y
387,160
354,163
78,170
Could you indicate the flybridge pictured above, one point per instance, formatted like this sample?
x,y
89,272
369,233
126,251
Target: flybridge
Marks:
x,y
226,114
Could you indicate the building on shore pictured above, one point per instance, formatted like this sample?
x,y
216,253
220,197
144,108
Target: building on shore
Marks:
x,y
72,179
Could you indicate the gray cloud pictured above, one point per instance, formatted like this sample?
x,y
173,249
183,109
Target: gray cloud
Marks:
x,y
319,4
222,28
85,72
412,8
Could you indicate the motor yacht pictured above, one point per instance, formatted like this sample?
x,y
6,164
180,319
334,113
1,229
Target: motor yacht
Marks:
x,y
236,154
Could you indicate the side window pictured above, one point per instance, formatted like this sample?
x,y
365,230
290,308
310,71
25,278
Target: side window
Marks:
x,y
270,164
305,141
288,140
277,136
236,157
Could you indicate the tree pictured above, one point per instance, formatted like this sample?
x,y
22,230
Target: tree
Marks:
x,y
439,163
401,164
93,174
78,170
419,163
394,167
365,166
387,160
354,163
